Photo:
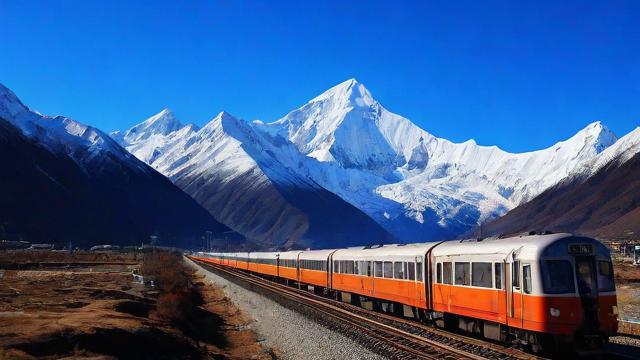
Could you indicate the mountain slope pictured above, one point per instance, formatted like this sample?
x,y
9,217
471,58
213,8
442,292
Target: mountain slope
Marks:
x,y
415,185
420,187
64,181
600,198
224,167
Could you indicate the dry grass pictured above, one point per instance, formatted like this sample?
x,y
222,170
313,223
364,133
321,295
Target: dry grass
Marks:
x,y
178,296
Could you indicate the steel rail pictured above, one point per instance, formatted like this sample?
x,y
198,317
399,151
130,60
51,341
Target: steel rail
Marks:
x,y
417,344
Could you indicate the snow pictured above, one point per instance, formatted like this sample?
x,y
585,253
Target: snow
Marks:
x,y
619,153
365,152
191,151
346,142
60,134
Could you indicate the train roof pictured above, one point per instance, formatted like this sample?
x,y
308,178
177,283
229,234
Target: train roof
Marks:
x,y
290,255
263,255
524,246
316,254
395,251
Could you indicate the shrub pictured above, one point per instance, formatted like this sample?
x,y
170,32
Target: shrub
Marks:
x,y
177,294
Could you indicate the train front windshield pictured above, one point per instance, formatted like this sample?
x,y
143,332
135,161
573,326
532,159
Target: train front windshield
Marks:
x,y
557,277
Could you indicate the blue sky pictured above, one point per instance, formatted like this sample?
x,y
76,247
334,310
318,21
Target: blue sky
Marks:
x,y
520,75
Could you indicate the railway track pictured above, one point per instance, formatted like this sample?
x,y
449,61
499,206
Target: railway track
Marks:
x,y
398,338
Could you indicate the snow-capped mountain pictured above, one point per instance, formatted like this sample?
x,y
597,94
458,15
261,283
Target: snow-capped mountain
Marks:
x,y
417,186
65,181
365,154
61,134
225,167
149,139
599,198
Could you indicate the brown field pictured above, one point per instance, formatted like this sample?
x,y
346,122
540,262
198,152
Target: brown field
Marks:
x,y
51,307
628,289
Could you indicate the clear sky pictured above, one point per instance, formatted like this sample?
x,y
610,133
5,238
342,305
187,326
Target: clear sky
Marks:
x,y
520,75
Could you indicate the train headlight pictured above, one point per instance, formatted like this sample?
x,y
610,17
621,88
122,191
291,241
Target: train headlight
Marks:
x,y
614,310
554,312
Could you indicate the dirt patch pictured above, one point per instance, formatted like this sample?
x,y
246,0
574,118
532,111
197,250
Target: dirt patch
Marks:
x,y
102,312
627,289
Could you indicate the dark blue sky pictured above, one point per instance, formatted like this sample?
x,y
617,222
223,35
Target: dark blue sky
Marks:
x,y
520,75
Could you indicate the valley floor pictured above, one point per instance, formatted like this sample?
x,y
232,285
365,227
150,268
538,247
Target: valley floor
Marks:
x,y
87,305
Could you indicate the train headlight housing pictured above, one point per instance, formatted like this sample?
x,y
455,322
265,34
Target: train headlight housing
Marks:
x,y
554,312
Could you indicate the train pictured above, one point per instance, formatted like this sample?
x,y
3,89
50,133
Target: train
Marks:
x,y
540,291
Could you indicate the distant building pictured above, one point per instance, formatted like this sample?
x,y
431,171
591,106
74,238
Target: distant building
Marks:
x,y
13,245
105,248
41,247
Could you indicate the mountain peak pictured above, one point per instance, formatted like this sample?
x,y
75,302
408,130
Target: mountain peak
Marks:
x,y
10,105
224,115
597,134
350,91
163,118
163,123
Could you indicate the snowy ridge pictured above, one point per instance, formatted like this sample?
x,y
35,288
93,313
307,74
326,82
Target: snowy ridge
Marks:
x,y
64,182
365,152
149,139
60,134
618,153
416,185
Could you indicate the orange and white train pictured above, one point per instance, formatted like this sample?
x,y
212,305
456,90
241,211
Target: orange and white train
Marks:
x,y
538,290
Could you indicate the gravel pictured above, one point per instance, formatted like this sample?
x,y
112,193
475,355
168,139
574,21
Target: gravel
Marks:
x,y
625,340
294,335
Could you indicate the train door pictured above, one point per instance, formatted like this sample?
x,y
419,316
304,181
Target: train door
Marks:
x,y
421,269
514,298
366,270
527,289
588,290
298,269
330,271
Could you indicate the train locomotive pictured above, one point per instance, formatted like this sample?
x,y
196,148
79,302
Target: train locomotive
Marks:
x,y
538,290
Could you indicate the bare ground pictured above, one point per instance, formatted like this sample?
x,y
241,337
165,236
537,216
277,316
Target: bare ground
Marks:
x,y
628,289
98,311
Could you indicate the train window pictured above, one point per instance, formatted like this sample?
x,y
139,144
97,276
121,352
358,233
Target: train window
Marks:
x,y
336,267
557,277
361,268
419,271
605,276
398,272
515,274
446,273
387,267
462,273
526,273
378,269
349,267
481,274
356,267
498,275
412,270
439,273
